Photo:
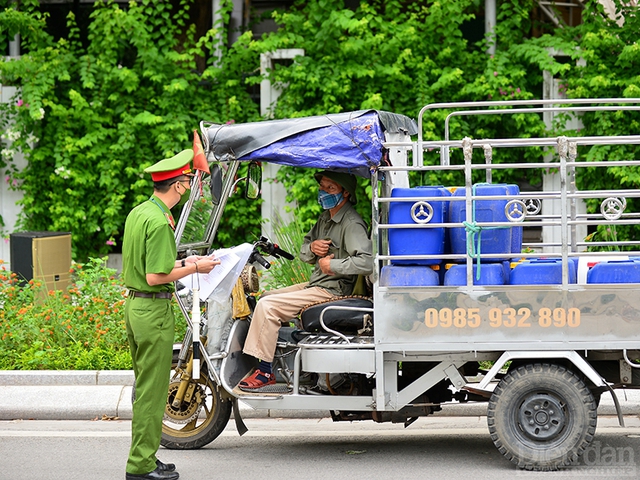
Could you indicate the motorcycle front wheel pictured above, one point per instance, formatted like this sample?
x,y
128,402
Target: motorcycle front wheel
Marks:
x,y
201,416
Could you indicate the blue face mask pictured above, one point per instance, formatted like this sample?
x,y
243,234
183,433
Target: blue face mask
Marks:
x,y
329,200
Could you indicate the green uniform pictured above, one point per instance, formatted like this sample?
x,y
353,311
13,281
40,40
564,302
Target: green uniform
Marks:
x,y
148,247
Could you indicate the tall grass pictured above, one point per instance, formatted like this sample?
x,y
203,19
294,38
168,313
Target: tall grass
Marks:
x,y
283,272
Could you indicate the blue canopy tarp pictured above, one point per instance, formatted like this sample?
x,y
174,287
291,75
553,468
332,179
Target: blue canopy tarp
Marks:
x,y
350,141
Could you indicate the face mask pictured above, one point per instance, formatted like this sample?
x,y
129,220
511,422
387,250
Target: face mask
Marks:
x,y
184,196
329,200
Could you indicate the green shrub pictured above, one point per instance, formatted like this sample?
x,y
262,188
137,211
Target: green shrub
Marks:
x,y
80,328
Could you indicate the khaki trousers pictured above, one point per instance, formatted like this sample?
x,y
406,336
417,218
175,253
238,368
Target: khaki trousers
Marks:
x,y
274,308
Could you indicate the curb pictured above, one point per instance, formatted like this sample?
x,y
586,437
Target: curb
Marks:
x,y
66,377
65,395
92,394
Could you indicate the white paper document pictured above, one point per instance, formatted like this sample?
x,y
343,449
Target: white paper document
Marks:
x,y
230,259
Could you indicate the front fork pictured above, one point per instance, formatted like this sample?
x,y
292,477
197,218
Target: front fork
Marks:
x,y
185,383
185,352
185,357
187,386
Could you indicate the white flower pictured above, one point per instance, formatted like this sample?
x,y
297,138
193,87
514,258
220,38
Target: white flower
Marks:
x,y
98,229
63,172
41,114
7,153
11,135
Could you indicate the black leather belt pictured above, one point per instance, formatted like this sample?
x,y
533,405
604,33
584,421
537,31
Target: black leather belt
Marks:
x,y
163,295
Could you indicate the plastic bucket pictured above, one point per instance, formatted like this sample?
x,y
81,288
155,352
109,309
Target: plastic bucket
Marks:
x,y
408,276
417,241
541,271
490,274
492,240
615,271
586,263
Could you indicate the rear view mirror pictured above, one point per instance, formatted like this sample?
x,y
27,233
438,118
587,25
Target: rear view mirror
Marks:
x,y
254,181
216,184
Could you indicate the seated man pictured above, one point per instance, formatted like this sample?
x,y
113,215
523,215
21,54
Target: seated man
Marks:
x,y
339,247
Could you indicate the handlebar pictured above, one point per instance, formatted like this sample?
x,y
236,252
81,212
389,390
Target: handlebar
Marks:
x,y
272,249
268,248
277,251
256,257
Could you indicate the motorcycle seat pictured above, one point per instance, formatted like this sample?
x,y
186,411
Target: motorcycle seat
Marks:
x,y
345,321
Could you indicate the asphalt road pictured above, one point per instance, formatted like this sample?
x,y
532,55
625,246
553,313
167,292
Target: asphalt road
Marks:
x,y
431,448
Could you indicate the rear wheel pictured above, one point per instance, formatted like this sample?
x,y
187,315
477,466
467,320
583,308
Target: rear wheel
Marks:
x,y
541,417
200,417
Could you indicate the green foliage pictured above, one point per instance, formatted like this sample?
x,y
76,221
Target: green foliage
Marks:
x,y
241,219
425,59
607,65
81,328
608,236
283,272
391,55
90,119
92,114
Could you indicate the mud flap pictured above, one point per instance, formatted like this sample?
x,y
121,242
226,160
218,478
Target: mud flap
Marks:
x,y
616,403
240,426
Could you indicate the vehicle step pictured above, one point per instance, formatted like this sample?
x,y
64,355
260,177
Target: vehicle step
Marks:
x,y
335,341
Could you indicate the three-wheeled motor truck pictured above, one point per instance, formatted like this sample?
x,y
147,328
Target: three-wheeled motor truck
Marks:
x,y
481,291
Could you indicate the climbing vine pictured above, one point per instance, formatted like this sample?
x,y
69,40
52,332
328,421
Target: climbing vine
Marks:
x,y
89,118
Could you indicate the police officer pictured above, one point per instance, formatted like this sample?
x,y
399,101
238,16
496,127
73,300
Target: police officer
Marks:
x,y
149,268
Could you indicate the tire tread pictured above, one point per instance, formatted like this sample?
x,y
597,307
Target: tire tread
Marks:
x,y
523,374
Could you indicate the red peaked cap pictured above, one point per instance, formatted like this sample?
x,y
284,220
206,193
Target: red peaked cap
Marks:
x,y
171,167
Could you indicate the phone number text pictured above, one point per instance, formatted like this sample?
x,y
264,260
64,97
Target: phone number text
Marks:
x,y
502,318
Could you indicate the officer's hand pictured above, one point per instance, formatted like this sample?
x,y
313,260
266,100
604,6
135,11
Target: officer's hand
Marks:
x,y
325,265
320,248
205,264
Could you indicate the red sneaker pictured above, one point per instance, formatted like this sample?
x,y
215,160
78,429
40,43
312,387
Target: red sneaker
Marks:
x,y
252,382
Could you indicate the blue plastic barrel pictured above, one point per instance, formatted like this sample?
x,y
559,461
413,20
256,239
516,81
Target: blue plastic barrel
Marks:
x,y
541,271
408,276
417,241
490,274
615,271
492,240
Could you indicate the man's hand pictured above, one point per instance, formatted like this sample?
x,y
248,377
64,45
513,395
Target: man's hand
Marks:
x,y
325,264
320,248
205,263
